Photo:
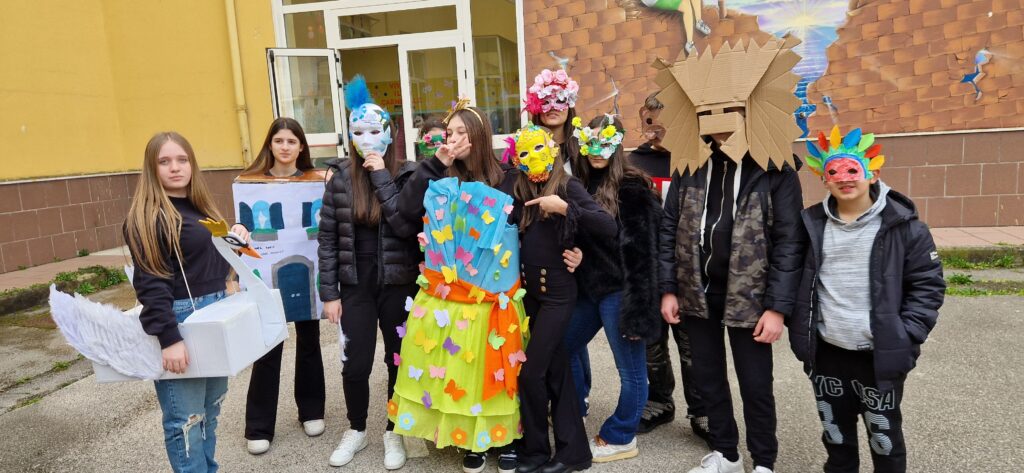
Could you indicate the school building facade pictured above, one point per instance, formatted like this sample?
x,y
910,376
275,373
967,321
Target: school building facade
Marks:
x,y
77,119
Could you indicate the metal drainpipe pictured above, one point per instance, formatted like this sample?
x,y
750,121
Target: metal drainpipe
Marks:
x,y
236,71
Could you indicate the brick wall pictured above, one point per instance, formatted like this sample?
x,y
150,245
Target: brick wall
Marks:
x,y
48,220
897,66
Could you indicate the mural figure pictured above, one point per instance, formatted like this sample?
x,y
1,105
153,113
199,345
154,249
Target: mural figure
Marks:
x,y
691,13
980,59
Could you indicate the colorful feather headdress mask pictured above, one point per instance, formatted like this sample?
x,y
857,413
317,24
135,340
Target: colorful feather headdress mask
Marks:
x,y
532,149
602,141
551,90
851,158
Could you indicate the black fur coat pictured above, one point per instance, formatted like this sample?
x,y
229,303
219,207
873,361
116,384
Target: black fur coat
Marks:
x,y
629,263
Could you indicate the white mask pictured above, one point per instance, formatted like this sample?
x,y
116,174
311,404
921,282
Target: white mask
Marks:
x,y
369,128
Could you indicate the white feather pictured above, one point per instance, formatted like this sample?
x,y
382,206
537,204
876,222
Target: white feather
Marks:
x,y
106,335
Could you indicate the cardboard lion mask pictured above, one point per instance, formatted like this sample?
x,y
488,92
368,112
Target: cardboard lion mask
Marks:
x,y
743,90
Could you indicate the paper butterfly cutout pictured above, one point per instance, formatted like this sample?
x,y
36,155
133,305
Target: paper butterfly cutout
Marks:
x,y
415,373
427,344
460,224
497,248
401,330
450,345
490,201
419,311
450,273
499,375
442,318
422,281
397,359
441,199
468,356
427,401
408,303
476,409
465,197
471,270
487,218
437,372
517,357
462,255
495,340
442,235
421,237
478,294
473,232
505,257
439,214
443,290
473,210
462,324
436,258
518,296
512,328
454,390
503,301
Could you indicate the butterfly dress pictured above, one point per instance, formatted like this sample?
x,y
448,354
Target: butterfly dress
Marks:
x,y
465,338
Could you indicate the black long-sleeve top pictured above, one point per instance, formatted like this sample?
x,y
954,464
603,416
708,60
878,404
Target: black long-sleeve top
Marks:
x,y
205,270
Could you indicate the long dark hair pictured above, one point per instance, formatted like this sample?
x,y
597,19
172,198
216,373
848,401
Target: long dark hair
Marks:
x,y
265,160
480,165
365,207
527,190
607,193
570,149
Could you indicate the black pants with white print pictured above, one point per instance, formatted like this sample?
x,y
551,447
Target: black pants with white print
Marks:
x,y
845,388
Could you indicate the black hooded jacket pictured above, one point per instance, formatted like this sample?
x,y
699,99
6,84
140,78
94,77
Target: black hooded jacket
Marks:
x,y
398,254
906,289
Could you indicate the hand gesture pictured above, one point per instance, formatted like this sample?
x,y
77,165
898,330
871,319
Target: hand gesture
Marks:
x,y
241,231
670,308
373,162
332,310
449,152
175,358
769,327
572,259
551,204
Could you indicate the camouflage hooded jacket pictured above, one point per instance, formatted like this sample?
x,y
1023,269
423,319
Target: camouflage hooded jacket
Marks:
x,y
766,251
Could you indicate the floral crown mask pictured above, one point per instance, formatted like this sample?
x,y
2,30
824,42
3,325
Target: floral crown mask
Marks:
x,y
597,142
532,149
428,145
551,91
854,157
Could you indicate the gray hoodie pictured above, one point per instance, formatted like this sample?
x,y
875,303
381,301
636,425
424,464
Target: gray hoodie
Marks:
x,y
843,286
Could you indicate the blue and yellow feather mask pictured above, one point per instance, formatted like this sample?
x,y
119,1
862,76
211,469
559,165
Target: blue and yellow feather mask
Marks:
x,y
837,158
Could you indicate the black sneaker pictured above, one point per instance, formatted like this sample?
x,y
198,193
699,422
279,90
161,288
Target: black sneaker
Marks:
x,y
508,461
699,425
655,414
474,462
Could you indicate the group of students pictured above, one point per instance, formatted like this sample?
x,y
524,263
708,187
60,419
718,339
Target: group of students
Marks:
x,y
487,278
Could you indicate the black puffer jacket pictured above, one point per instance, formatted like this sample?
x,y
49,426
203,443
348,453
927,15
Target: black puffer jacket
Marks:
x,y
766,251
627,263
907,290
399,256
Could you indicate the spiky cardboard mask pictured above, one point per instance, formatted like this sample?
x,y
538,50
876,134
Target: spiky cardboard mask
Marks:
x,y
744,91
854,157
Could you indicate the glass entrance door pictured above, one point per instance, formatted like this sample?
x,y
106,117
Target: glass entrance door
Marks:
x,y
432,77
304,86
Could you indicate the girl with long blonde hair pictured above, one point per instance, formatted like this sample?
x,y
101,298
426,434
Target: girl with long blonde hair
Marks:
x,y
178,270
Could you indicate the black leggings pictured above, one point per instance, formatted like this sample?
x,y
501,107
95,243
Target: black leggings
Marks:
x,y
265,383
365,308
753,362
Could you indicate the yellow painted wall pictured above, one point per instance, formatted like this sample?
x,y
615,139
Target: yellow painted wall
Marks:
x,y
85,83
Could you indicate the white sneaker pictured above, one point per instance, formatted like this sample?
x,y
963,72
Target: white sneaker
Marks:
x,y
605,452
313,428
394,451
351,443
714,462
257,447
762,469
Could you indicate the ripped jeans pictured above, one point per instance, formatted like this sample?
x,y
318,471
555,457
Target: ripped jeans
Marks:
x,y
190,408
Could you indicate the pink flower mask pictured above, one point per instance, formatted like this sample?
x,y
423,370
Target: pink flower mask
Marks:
x,y
551,90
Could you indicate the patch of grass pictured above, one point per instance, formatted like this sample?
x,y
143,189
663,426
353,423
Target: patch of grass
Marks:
x,y
1004,261
66,276
1001,256
86,288
21,381
59,366
83,252
21,267
28,401
960,279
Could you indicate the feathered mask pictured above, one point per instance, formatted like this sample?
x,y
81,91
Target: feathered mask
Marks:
x,y
851,158
597,142
532,149
369,125
551,90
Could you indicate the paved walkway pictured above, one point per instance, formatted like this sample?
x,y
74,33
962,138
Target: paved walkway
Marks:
x,y
944,238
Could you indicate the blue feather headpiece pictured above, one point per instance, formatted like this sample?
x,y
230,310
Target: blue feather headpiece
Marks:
x,y
359,101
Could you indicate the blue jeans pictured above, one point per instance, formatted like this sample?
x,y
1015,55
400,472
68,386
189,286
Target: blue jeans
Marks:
x,y
190,408
630,359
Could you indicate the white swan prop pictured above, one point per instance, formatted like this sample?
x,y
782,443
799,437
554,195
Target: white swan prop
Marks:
x,y
222,338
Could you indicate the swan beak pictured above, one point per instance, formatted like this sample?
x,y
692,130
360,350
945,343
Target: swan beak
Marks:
x,y
249,251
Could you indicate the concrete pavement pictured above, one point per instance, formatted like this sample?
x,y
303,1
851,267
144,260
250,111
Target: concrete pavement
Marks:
x,y
961,413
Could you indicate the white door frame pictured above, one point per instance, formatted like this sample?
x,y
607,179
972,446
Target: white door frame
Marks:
x,y
339,137
462,83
